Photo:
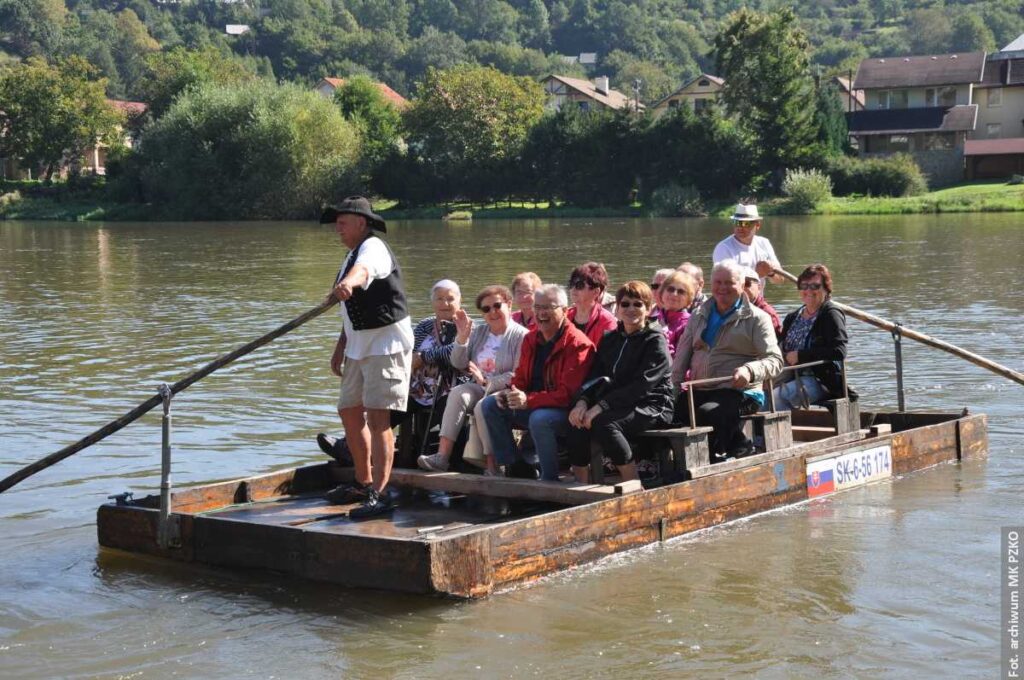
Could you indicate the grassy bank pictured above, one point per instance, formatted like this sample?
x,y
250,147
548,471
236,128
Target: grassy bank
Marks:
x,y
968,197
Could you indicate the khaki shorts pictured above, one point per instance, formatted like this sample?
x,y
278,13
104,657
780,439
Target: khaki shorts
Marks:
x,y
379,382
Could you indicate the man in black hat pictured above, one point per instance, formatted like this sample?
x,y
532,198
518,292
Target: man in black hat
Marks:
x,y
374,349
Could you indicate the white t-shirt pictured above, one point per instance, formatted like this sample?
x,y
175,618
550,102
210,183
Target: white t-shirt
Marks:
x,y
759,250
390,339
486,358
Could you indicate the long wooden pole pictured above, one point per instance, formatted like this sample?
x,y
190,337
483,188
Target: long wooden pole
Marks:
x,y
884,324
154,401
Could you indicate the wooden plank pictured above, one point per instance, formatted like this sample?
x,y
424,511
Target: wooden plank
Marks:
x,y
812,433
261,487
804,449
973,437
503,487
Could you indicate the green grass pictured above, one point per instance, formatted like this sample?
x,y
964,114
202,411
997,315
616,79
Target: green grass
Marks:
x,y
83,209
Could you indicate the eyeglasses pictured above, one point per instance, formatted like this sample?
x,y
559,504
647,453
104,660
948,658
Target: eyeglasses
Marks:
x,y
626,304
672,290
655,286
544,308
809,286
522,293
486,309
747,283
580,284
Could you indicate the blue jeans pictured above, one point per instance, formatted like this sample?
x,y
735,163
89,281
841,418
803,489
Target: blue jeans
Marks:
x,y
787,395
545,426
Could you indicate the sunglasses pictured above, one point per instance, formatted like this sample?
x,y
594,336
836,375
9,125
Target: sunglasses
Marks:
x,y
580,284
809,286
655,286
672,290
626,304
486,309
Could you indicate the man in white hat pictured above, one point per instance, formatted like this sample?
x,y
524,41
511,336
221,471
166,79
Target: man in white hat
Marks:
x,y
746,248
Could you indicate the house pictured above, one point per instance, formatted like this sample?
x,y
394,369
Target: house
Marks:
x,y
698,94
587,95
921,105
327,86
853,100
996,147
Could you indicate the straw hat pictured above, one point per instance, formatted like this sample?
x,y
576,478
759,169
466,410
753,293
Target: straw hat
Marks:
x,y
746,213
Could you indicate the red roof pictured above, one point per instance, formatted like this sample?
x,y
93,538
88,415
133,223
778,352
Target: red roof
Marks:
x,y
398,100
993,147
130,108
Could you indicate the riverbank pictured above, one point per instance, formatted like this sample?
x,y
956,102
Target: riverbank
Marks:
x,y
962,198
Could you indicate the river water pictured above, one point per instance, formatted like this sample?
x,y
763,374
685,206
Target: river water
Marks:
x,y
899,579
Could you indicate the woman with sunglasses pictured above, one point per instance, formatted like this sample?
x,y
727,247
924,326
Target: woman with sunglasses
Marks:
x,y
488,353
587,284
814,332
638,395
677,291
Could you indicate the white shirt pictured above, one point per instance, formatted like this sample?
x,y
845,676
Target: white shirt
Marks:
x,y
390,339
759,250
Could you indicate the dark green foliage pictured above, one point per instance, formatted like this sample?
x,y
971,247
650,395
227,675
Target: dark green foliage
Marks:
x,y
376,119
248,151
830,120
896,175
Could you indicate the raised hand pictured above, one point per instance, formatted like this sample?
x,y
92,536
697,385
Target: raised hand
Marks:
x,y
463,326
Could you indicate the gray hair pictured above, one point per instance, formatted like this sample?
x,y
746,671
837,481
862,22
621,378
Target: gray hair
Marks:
x,y
448,284
693,270
552,291
731,266
662,274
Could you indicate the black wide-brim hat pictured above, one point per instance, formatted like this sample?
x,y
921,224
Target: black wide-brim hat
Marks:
x,y
354,205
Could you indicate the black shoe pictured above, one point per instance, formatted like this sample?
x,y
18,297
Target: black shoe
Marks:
x,y
743,452
346,494
336,448
522,470
376,503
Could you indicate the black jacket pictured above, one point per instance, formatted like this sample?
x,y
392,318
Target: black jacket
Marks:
x,y
826,342
640,369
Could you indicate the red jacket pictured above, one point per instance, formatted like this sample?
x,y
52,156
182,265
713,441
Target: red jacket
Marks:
x,y
600,322
564,370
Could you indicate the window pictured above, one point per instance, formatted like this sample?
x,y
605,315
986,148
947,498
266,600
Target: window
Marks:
x,y
938,141
892,99
703,82
584,106
673,103
995,96
886,143
940,96
994,129
701,104
899,142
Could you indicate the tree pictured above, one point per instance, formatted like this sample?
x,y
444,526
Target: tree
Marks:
x,y
467,121
31,27
929,31
378,121
248,151
764,61
168,74
830,118
970,34
48,113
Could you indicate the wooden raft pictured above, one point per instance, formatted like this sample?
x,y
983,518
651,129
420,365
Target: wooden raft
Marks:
x,y
472,547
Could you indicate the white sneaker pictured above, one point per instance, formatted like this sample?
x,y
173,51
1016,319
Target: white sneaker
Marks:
x,y
493,473
435,462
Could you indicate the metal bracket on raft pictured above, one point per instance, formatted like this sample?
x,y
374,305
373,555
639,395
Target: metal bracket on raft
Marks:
x,y
168,534
897,338
121,498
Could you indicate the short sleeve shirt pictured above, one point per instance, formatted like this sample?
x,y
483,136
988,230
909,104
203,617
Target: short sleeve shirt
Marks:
x,y
760,249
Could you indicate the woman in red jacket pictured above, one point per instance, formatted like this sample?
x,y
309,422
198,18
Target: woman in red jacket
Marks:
x,y
587,284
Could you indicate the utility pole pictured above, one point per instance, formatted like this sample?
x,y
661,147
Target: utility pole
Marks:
x,y
636,93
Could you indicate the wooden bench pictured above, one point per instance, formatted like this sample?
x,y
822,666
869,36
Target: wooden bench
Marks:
x,y
689,449
774,428
842,415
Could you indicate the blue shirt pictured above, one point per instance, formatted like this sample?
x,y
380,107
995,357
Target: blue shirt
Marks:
x,y
715,322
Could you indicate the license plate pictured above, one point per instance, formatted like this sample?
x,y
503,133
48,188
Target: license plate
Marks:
x,y
847,470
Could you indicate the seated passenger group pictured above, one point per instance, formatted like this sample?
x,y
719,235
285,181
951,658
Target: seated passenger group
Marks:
x,y
564,372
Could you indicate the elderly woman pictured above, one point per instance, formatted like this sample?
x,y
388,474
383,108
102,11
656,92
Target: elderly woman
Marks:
x,y
814,332
523,287
656,281
677,291
587,284
638,397
488,353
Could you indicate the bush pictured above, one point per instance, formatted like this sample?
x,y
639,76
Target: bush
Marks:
x,y
807,189
896,175
672,200
248,151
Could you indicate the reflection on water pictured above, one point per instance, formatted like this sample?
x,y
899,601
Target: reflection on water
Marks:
x,y
893,580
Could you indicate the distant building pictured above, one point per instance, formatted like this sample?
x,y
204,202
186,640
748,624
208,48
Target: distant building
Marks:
x,y
586,95
698,94
921,105
327,86
853,100
996,147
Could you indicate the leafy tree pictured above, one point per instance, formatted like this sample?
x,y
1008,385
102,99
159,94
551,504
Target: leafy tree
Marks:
x,y
929,31
654,82
31,27
248,151
467,121
830,117
377,120
764,61
49,113
168,74
970,34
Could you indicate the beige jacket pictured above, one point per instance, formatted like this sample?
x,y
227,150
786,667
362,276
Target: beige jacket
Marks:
x,y
746,339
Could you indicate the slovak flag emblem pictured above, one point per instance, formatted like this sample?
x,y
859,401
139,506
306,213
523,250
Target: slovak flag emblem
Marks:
x,y
820,483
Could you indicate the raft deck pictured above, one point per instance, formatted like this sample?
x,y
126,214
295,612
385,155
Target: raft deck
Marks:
x,y
466,535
